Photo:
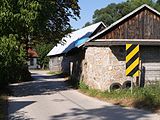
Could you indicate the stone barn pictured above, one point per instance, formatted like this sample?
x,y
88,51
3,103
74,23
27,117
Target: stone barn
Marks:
x,y
104,65
62,56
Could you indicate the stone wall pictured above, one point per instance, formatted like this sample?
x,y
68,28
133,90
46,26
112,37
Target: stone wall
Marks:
x,y
69,64
55,63
60,63
103,66
100,67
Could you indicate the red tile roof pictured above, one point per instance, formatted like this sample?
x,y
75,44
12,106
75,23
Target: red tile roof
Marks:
x,y
32,53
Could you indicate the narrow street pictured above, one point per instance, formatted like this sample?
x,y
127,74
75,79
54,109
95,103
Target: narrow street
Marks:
x,y
49,98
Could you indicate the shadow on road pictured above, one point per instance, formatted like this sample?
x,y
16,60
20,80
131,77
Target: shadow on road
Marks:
x,y
14,113
104,113
19,104
45,85
35,76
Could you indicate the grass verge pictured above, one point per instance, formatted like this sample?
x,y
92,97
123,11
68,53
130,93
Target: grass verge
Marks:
x,y
145,98
54,73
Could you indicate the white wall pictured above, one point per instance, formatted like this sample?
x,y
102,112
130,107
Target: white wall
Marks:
x,y
33,64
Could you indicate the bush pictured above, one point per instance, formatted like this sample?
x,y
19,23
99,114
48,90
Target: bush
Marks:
x,y
13,66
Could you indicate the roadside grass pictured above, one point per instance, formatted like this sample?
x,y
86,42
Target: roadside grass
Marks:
x,y
145,98
54,73
3,106
58,73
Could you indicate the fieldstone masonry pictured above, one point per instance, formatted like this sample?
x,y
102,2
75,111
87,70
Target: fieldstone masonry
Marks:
x,y
100,67
104,66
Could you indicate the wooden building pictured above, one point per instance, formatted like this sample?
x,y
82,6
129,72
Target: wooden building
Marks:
x,y
104,66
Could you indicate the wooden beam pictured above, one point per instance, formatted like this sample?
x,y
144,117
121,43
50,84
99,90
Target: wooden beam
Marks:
x,y
128,40
123,42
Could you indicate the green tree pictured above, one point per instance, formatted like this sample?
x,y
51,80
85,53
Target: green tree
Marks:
x,y
42,20
158,2
24,21
42,50
87,24
12,61
113,12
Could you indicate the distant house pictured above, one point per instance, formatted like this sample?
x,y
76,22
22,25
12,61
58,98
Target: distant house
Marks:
x,y
32,58
103,63
63,56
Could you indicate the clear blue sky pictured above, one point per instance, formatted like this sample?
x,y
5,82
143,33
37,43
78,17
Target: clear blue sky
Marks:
x,y
87,10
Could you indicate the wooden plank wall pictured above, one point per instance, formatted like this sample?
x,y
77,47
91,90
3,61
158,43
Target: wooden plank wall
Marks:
x,y
143,25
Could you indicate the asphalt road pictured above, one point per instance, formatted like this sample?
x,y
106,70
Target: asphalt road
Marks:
x,y
49,98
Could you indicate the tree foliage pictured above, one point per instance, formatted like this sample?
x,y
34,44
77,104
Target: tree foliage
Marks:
x,y
24,21
42,50
87,24
12,61
11,52
113,11
158,1
46,20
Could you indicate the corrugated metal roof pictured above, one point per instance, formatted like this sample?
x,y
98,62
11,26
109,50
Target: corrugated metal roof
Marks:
x,y
74,39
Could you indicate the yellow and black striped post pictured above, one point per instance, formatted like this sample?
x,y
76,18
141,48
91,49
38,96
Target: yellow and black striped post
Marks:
x,y
132,60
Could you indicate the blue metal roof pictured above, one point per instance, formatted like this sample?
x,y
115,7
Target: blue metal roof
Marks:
x,y
82,40
74,39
